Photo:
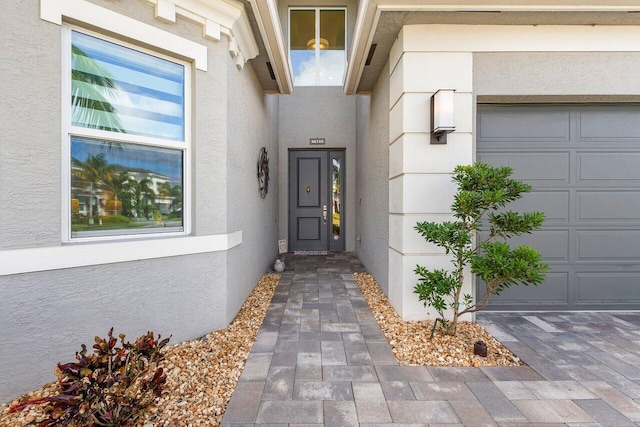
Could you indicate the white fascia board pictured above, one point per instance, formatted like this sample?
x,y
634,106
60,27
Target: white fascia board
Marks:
x,y
229,14
87,13
369,12
19,261
266,13
366,23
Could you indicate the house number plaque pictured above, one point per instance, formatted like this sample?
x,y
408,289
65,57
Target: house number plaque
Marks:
x,y
317,141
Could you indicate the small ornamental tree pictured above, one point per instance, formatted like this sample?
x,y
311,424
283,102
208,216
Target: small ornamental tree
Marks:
x,y
483,191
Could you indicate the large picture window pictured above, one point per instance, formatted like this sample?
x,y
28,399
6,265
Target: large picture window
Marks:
x,y
317,46
127,142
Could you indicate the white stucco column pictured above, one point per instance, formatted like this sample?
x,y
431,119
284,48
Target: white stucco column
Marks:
x,y
420,187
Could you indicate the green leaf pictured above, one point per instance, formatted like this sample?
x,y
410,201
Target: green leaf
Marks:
x,y
508,224
502,267
433,286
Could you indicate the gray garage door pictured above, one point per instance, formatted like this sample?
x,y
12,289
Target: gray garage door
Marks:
x,y
584,165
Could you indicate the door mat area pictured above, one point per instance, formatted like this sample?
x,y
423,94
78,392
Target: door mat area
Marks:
x,y
310,252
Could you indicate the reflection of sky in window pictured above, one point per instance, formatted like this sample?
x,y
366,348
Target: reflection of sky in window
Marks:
x,y
150,91
159,160
329,72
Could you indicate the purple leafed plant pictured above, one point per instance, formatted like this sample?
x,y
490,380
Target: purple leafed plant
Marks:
x,y
110,387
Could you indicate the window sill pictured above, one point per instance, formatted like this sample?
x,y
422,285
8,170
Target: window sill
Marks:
x,y
20,261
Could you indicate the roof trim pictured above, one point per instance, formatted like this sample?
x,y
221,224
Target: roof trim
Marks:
x,y
266,13
228,17
370,10
56,11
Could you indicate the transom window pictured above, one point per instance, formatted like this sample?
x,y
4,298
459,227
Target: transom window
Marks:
x,y
127,140
317,46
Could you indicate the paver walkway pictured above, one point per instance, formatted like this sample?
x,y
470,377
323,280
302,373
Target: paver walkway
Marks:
x,y
321,359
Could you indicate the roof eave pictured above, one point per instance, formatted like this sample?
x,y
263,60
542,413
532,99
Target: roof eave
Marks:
x,y
369,13
266,13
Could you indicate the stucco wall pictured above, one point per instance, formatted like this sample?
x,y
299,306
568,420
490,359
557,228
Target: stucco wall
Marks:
x,y
30,123
318,112
372,175
45,316
556,73
252,124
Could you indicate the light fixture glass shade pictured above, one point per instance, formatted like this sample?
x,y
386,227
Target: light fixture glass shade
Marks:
x,y
324,44
443,111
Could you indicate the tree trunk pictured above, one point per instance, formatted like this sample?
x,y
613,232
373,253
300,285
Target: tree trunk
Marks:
x,y
451,326
91,204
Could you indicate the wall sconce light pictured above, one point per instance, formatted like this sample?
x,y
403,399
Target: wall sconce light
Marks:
x,y
442,115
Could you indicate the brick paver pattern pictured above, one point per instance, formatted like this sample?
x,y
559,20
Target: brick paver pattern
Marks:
x,y
321,359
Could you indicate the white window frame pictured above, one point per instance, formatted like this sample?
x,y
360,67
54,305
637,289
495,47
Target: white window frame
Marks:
x,y
69,131
317,37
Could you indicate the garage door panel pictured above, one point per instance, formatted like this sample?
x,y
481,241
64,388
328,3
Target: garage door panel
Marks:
x,y
554,291
585,173
554,205
609,125
608,245
524,127
606,168
598,288
608,206
537,169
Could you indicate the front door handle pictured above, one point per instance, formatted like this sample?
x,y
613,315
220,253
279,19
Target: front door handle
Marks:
x,y
324,213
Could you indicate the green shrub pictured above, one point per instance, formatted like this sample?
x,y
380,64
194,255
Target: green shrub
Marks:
x,y
115,219
78,218
110,387
483,192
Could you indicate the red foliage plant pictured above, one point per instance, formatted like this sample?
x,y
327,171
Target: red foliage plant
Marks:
x,y
110,387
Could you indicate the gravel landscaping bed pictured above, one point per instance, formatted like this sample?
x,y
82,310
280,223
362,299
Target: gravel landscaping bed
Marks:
x,y
201,374
410,340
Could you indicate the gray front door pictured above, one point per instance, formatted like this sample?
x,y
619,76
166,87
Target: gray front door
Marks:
x,y
316,200
583,162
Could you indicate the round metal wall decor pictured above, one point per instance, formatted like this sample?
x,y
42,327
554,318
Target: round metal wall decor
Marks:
x,y
263,172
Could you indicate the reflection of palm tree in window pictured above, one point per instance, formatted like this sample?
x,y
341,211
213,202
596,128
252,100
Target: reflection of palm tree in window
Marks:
x,y
176,198
147,197
139,195
173,193
93,90
131,197
115,183
93,171
164,190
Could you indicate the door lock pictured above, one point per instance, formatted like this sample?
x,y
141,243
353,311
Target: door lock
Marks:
x,y
324,214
